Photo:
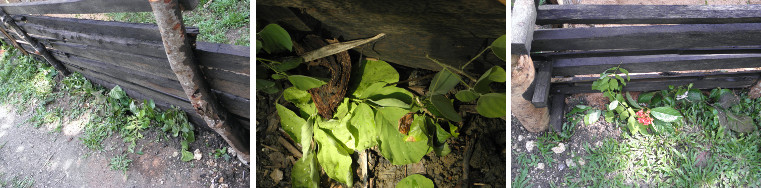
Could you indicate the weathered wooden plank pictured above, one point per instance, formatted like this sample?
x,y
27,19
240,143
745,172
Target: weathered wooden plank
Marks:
x,y
656,75
648,14
227,57
523,19
648,37
85,6
608,53
556,112
39,49
542,84
655,63
699,82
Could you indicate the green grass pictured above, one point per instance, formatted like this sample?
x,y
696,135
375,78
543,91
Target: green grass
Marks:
x,y
120,163
214,22
16,181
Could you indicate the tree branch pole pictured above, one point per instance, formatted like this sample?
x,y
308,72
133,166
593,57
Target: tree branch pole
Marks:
x,y
39,48
183,63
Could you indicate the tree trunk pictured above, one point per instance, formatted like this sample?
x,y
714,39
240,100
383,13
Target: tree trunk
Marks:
x,y
522,75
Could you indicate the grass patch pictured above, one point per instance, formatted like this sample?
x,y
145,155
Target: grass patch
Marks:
x,y
215,20
120,163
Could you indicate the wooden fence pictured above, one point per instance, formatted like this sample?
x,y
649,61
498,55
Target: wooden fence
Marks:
x,y
132,55
701,40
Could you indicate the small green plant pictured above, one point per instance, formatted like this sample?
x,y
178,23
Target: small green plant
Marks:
x,y
120,163
217,153
374,112
522,180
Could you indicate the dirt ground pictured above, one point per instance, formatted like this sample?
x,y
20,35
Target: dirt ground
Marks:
x,y
55,159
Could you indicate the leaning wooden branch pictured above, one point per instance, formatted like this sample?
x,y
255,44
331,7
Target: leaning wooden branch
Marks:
x,y
39,48
332,49
183,63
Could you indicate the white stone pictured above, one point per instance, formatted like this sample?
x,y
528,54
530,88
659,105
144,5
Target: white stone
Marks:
x,y
197,154
231,151
582,162
559,149
520,138
530,146
276,175
569,163
175,154
540,166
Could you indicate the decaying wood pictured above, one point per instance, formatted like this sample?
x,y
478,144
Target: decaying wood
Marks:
x,y
296,153
335,48
178,49
40,50
327,97
522,75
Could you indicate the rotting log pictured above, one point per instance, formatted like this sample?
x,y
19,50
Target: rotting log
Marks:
x,y
522,75
180,54
9,23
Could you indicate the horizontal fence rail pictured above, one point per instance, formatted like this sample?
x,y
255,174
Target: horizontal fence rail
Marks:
x,y
85,6
647,14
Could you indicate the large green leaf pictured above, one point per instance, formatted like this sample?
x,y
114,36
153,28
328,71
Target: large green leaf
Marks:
x,y
305,82
392,92
632,103
306,172
392,144
494,74
363,127
371,72
301,99
499,47
290,122
391,102
444,81
288,64
492,105
306,133
444,106
117,93
466,95
342,109
258,46
333,157
591,117
275,39
666,114
415,181
339,129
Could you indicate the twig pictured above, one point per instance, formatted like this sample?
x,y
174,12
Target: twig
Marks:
x,y
412,80
296,153
466,162
271,148
474,58
455,69
337,48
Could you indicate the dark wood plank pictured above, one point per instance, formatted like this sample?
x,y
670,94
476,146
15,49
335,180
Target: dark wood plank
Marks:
x,y
655,63
609,53
227,57
656,75
556,112
85,6
648,14
542,84
699,82
648,37
523,19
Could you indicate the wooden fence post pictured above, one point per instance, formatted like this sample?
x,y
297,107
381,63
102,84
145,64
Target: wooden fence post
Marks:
x,y
182,61
39,48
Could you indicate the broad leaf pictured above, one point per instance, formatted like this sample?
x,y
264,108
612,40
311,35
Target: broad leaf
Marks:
x,y
494,74
275,39
591,117
492,105
186,156
442,150
290,122
266,86
258,46
334,158
613,105
415,181
391,92
363,127
306,172
339,129
306,139
301,99
392,144
444,106
666,114
342,109
632,103
117,93
466,95
418,130
391,102
305,82
444,81
288,64
499,47
371,72
646,97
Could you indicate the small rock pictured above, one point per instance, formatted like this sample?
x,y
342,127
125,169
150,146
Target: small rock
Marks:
x,y
598,144
540,166
515,146
416,168
175,154
520,138
224,185
570,163
559,149
582,162
276,175
197,154
530,146
561,166
231,151
222,179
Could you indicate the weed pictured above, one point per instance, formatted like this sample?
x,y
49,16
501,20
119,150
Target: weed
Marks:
x,y
120,163
217,153
522,180
25,182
